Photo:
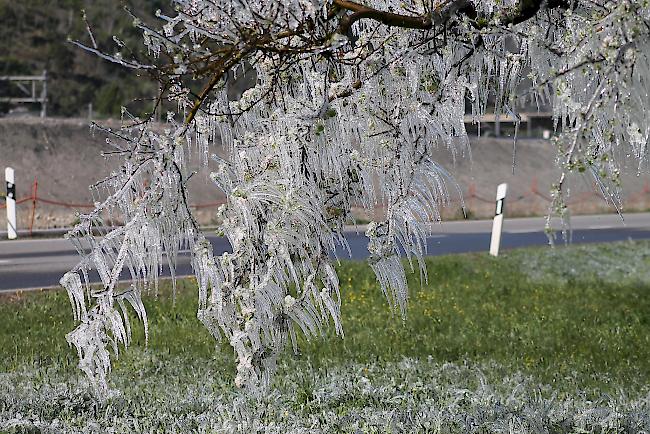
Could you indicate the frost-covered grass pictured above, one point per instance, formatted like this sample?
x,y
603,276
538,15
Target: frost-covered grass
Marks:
x,y
540,339
411,395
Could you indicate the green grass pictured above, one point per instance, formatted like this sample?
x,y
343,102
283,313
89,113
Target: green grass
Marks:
x,y
546,322
538,340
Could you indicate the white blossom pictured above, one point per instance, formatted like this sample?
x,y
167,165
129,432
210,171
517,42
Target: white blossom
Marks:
x,y
339,115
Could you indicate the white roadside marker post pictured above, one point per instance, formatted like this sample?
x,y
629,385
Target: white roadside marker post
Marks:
x,y
11,203
497,225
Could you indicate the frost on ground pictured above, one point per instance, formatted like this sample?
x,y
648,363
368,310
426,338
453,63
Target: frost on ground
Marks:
x,y
407,396
609,263
167,388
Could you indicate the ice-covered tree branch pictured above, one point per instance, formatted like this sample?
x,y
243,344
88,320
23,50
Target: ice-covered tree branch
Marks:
x,y
346,105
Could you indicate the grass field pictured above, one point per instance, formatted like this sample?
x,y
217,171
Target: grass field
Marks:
x,y
539,340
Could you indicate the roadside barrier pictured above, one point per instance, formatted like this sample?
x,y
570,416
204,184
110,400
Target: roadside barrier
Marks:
x,y
471,196
34,198
534,192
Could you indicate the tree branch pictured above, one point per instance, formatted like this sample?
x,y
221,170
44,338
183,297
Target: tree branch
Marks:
x,y
527,9
386,18
443,12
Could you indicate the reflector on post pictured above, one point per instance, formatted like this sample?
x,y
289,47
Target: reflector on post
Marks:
x,y
497,224
11,203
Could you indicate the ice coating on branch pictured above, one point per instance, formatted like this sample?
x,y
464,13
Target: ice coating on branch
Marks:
x,y
343,112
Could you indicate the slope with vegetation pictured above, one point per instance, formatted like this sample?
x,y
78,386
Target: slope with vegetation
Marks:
x,y
35,35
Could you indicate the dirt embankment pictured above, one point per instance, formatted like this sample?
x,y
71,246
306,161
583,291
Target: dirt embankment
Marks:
x,y
65,158
530,181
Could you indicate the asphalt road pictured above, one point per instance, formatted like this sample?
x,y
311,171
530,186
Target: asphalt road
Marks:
x,y
40,263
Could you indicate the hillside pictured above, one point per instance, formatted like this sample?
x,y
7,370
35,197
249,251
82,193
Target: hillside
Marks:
x,y
66,158
34,35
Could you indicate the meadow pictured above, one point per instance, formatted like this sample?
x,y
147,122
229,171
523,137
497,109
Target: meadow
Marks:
x,y
537,340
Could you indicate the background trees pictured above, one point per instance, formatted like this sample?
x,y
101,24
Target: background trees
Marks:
x,y
35,37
